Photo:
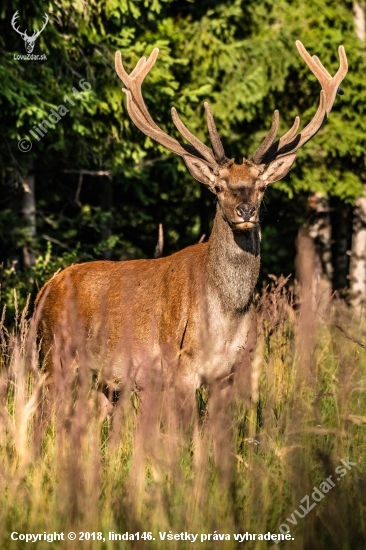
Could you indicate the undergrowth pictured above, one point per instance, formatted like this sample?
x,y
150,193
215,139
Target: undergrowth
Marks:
x,y
298,410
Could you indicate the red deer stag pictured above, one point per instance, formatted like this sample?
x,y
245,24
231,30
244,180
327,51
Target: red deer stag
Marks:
x,y
184,317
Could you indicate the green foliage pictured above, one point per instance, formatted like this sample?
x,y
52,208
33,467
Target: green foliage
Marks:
x,y
240,56
17,286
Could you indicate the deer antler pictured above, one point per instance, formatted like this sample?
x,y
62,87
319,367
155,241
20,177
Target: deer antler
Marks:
x,y
35,36
290,142
269,150
140,116
24,35
13,21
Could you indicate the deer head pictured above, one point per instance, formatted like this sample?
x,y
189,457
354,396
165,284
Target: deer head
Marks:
x,y
239,187
29,40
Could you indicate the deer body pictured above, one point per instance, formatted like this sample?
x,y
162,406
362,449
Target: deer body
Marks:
x,y
185,318
194,307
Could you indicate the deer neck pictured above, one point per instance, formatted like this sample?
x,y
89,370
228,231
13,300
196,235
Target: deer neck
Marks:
x,y
233,264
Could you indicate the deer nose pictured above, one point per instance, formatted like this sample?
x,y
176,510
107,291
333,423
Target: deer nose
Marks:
x,y
245,211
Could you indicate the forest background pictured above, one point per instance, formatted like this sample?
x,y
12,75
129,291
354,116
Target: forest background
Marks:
x,y
93,186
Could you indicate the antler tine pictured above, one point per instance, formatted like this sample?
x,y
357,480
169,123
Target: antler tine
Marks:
x,y
343,65
284,140
13,21
134,80
141,63
37,33
187,134
141,117
120,70
305,135
154,131
328,83
214,136
321,66
340,91
260,153
290,143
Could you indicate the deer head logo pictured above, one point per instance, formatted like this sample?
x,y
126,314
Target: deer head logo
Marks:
x,y
29,40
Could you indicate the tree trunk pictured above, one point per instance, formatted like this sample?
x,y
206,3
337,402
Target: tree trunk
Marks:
x,y
320,231
359,19
357,272
308,295
341,225
29,215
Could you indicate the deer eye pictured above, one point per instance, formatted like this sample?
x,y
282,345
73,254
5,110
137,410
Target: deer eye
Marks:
x,y
218,188
262,188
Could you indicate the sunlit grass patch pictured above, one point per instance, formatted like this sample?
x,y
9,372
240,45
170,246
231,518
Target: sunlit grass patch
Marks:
x,y
137,472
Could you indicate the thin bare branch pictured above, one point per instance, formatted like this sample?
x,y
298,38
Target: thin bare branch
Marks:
x,y
349,337
96,173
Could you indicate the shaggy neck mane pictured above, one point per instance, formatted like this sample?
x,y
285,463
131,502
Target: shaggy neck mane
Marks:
x,y
233,264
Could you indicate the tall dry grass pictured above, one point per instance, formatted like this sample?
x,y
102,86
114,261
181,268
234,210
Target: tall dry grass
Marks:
x,y
297,409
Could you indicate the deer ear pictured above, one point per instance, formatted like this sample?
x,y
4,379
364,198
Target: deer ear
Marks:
x,y
278,169
200,170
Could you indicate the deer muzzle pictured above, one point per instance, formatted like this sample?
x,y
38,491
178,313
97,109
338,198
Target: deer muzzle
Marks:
x,y
246,212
